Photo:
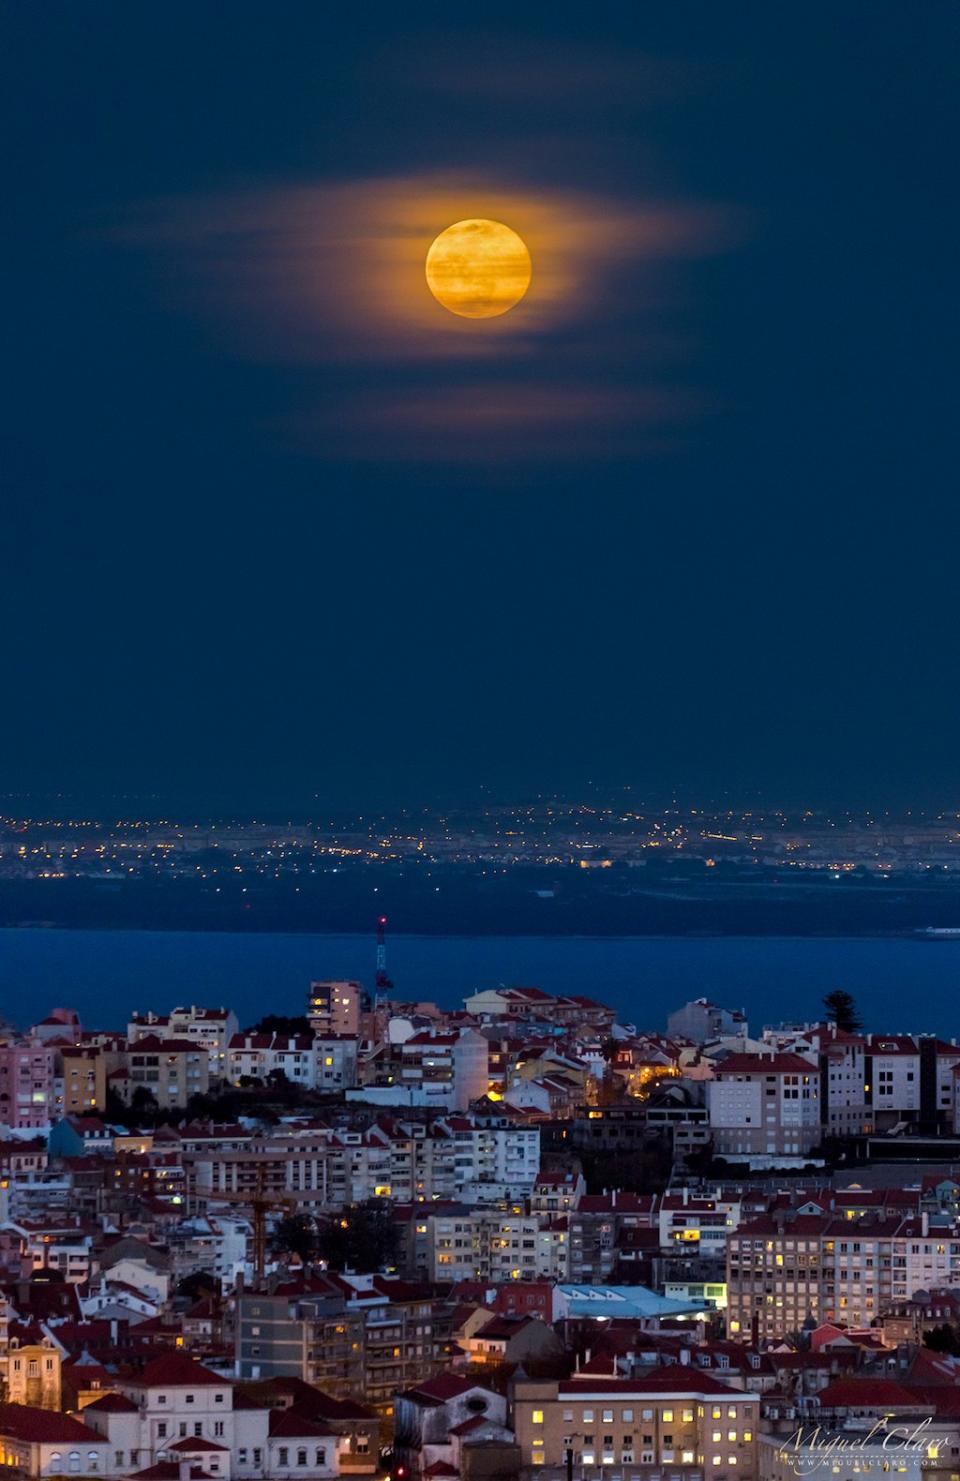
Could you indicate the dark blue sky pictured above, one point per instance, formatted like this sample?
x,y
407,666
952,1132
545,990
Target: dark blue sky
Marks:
x,y
272,532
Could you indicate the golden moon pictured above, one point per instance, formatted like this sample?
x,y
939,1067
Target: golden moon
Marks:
x,y
478,268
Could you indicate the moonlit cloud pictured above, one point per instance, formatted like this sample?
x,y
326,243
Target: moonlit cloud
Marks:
x,y
332,276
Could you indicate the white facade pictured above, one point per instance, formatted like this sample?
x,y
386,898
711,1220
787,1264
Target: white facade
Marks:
x,y
764,1105
335,1059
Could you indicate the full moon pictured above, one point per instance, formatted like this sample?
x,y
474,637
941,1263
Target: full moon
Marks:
x,y
478,268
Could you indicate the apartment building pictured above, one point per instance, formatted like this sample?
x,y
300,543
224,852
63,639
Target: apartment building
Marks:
x,y
702,1021
404,1160
30,1364
692,1225
85,1080
876,1082
531,1003
487,1245
335,1007
596,1230
675,1420
495,1158
352,1337
172,1070
27,1092
260,1056
765,1105
209,1028
183,1419
335,1060
779,1273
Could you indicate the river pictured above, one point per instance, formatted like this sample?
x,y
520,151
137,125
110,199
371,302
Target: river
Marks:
x,y
901,985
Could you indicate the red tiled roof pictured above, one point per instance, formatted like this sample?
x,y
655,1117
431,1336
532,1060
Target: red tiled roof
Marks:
x,y
444,1386
672,1378
169,1470
866,1393
765,1064
45,1426
288,1424
189,1446
150,1044
176,1370
469,1425
113,1404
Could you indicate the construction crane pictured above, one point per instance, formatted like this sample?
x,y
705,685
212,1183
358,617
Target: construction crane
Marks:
x,y
260,1203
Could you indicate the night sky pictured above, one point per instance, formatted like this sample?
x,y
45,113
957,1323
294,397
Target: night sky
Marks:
x,y
278,527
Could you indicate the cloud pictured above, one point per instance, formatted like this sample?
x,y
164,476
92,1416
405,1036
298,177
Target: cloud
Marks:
x,y
492,422
331,277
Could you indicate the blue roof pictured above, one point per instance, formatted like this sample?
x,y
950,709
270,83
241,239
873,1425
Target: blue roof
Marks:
x,y
630,1302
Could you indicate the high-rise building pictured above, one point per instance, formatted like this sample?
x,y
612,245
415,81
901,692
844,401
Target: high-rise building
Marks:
x,y
334,1007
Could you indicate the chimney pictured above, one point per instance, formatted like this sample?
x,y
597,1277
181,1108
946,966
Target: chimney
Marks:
x,y
924,1225
686,1194
685,1356
184,1470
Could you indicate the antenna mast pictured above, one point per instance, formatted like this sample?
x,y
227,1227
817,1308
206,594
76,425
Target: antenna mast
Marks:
x,y
383,983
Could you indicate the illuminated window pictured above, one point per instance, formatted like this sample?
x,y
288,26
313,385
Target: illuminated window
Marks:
x,y
538,1416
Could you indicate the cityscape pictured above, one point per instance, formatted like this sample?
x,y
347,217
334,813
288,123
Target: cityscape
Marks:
x,y
514,1237
553,864
480,752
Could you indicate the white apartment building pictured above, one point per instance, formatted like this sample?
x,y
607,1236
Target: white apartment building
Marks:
x,y
764,1105
258,1056
335,1061
692,1225
456,1158
875,1082
495,1247
494,1160
831,1269
177,1410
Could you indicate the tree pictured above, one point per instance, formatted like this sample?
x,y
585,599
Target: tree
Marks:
x,y
842,1010
201,1283
942,1339
277,1023
296,1234
362,1238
